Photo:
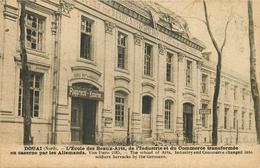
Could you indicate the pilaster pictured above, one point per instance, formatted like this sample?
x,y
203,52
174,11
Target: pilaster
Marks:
x,y
109,54
180,89
137,88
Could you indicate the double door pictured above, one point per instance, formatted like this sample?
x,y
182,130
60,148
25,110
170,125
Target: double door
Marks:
x,y
83,121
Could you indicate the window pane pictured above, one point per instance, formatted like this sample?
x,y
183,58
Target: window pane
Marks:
x,y
119,110
34,82
148,60
34,31
85,45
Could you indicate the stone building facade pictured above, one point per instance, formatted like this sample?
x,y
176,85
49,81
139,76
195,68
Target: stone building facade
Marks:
x,y
103,71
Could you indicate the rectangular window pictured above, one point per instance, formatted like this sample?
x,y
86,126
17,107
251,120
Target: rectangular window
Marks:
x,y
243,120
204,116
167,114
244,93
120,101
235,92
250,121
34,31
148,60
235,119
86,38
226,88
169,67
122,50
204,82
189,74
226,118
35,91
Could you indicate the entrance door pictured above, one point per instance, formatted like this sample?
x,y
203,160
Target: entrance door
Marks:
x,y
83,121
188,127
76,120
146,116
188,122
89,121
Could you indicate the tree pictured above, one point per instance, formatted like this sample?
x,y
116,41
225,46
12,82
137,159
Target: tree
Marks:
x,y
253,79
27,139
218,74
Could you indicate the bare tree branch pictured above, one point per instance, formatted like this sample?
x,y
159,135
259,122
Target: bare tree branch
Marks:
x,y
225,36
209,29
203,21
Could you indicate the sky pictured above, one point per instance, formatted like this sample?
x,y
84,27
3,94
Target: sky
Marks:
x,y
236,50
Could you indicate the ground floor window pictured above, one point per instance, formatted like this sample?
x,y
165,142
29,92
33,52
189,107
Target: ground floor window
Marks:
x,y
168,114
36,88
120,109
204,115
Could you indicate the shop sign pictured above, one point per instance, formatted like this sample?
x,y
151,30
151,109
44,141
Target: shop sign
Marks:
x,y
82,92
205,111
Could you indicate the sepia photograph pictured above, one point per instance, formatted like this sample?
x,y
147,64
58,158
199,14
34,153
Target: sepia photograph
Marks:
x,y
129,83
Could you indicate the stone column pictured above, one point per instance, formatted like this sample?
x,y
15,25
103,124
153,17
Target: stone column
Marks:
x,y
109,54
137,88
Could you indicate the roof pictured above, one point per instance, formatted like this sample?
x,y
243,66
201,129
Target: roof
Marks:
x,y
159,17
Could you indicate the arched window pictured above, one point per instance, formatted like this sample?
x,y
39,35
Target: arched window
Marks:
x,y
168,107
120,108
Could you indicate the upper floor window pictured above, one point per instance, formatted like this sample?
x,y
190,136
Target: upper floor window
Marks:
x,y
226,88
35,82
86,38
34,31
169,67
204,83
148,60
244,93
189,74
235,119
250,121
167,114
122,50
120,109
235,92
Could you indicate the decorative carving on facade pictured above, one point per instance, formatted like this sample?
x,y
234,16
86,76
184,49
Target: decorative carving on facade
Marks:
x,y
199,64
109,26
180,57
53,27
161,48
66,6
212,80
138,39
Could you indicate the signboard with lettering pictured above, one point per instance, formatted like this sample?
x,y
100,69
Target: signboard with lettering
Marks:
x,y
205,111
82,92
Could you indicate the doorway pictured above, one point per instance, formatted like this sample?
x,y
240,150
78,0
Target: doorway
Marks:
x,y
188,122
146,116
83,121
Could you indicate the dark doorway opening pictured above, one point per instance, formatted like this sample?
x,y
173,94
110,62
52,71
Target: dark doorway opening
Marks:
x,y
83,121
146,116
188,122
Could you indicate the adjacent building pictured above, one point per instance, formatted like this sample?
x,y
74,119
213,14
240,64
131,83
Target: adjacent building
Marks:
x,y
104,71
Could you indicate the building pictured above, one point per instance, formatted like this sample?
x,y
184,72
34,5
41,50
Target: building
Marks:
x,y
235,110
103,69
